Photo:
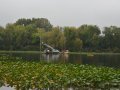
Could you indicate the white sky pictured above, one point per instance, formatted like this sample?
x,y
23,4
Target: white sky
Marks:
x,y
62,12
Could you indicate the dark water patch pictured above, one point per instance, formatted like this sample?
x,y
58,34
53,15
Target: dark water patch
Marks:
x,y
110,60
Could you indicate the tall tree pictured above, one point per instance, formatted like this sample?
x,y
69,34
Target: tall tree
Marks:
x,y
35,22
55,38
86,33
73,42
112,37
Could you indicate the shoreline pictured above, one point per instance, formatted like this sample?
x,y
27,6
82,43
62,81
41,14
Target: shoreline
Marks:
x,y
82,53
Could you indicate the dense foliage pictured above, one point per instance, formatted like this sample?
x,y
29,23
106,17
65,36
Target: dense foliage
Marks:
x,y
25,34
30,74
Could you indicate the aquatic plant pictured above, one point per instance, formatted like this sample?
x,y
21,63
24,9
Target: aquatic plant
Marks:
x,y
23,74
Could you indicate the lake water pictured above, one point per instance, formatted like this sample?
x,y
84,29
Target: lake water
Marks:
x,y
110,60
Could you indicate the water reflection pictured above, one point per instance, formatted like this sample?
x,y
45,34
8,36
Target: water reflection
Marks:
x,y
49,57
6,88
99,60
13,88
70,88
55,58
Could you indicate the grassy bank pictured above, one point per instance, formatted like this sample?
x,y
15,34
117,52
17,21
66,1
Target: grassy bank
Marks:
x,y
23,74
20,52
94,53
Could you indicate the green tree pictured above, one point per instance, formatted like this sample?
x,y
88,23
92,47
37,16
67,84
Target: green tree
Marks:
x,y
55,38
112,37
86,33
23,22
73,42
42,23
78,44
35,22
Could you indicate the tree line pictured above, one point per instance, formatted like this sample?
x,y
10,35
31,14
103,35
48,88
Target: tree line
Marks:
x,y
25,34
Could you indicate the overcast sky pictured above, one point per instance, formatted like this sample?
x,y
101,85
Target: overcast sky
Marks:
x,y
62,12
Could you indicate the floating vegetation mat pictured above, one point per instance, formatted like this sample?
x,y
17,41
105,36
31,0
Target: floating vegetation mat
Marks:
x,y
22,74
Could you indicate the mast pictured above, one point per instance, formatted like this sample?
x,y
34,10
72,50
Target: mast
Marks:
x,y
40,45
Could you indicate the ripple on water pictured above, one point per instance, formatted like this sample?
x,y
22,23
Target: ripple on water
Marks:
x,y
6,88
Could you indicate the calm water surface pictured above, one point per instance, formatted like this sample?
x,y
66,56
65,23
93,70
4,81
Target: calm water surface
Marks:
x,y
110,60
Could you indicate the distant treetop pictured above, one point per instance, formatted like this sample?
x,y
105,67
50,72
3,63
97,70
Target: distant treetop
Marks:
x,y
37,22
